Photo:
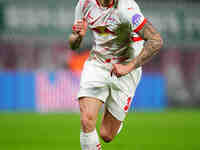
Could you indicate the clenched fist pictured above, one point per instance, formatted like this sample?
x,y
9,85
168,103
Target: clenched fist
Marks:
x,y
80,27
121,69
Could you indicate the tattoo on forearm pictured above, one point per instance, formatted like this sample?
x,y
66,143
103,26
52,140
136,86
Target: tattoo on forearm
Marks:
x,y
147,31
152,45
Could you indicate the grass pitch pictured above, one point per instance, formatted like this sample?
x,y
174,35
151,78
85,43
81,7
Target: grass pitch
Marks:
x,y
142,131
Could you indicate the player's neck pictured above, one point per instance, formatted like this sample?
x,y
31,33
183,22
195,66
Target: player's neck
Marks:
x,y
106,3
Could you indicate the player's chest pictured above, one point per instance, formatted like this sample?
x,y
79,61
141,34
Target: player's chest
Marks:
x,y
101,17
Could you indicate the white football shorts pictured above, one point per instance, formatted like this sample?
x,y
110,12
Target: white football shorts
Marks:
x,y
116,93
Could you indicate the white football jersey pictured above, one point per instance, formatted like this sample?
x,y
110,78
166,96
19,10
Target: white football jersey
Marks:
x,y
103,21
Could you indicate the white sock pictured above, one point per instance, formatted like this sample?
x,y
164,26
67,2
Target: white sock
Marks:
x,y
90,141
120,128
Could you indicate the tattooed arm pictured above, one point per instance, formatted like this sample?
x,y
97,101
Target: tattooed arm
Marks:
x,y
153,43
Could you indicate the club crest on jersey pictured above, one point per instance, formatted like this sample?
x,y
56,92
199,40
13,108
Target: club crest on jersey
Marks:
x,y
136,19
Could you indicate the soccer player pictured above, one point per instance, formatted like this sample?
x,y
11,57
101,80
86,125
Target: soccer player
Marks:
x,y
112,72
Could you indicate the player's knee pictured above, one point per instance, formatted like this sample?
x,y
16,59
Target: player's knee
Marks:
x,y
88,122
106,136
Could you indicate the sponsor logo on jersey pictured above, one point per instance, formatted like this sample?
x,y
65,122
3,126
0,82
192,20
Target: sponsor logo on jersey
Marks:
x,y
103,31
137,19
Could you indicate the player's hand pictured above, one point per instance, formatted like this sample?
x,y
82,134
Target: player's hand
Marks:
x,y
120,69
80,27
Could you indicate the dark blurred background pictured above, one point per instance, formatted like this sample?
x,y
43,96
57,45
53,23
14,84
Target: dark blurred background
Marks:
x,y
38,71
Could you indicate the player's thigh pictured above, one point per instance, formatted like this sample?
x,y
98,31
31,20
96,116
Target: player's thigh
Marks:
x,y
88,104
89,109
118,103
109,125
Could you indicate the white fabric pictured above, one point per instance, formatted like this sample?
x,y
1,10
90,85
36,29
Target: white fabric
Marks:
x,y
102,19
120,128
96,82
89,141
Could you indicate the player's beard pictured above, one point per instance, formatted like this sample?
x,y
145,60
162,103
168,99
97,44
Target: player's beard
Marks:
x,y
106,2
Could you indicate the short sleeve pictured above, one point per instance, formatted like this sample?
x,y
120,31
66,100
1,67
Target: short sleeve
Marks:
x,y
78,11
134,16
